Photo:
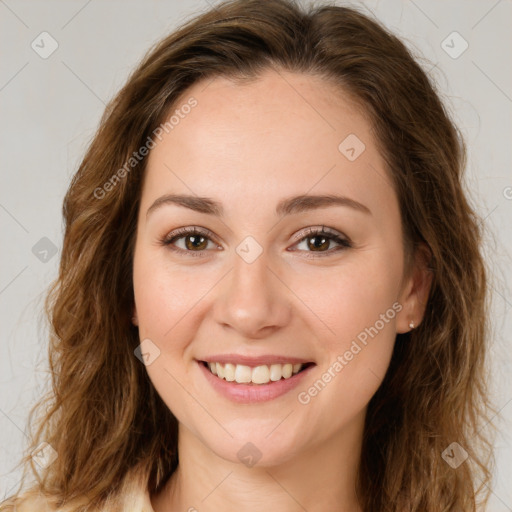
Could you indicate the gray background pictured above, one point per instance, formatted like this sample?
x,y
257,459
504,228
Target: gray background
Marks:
x,y
50,108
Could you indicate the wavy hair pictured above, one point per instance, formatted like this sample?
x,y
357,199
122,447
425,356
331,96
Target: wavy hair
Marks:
x,y
114,436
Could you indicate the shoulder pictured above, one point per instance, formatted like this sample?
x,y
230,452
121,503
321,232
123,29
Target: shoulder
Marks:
x,y
34,502
28,502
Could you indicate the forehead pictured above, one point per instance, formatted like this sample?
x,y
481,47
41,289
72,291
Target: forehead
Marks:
x,y
283,133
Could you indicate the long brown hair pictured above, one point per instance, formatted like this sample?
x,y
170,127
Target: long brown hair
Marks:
x,y
104,419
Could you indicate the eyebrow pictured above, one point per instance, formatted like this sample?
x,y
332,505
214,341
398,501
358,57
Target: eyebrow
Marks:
x,y
285,207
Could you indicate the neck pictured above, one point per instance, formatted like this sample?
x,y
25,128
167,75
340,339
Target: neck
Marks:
x,y
319,478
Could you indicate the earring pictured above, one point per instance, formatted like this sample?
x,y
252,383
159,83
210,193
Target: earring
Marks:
x,y
411,324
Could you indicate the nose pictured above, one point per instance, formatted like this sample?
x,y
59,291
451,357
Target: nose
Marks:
x,y
253,300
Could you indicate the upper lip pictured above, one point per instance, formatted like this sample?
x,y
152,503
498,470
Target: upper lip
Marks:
x,y
253,361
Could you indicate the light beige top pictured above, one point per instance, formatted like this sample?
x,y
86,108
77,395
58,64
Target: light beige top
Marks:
x,y
39,504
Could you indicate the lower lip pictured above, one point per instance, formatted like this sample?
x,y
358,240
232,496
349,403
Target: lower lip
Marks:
x,y
247,393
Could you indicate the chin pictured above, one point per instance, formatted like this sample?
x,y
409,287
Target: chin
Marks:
x,y
254,447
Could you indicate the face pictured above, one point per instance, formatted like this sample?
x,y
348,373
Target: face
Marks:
x,y
241,271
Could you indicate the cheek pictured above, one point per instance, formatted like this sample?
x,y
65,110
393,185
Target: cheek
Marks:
x,y
356,310
165,302
164,297
349,298
357,358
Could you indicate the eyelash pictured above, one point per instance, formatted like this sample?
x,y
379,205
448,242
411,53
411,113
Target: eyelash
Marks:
x,y
311,232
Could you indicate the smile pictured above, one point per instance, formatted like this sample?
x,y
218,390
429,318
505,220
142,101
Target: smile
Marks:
x,y
262,374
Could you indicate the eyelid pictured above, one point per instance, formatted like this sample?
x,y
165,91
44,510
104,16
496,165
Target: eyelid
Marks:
x,y
342,240
316,230
190,230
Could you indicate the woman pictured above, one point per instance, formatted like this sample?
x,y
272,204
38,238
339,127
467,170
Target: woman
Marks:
x,y
271,292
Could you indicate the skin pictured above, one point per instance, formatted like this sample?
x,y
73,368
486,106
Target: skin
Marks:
x,y
248,147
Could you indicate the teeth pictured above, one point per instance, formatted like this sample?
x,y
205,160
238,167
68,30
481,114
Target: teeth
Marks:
x,y
262,374
276,372
243,373
287,370
229,372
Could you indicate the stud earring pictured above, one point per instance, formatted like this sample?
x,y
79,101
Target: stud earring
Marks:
x,y
411,324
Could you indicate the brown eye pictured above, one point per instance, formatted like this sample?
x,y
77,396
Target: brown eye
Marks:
x,y
318,240
193,242
190,241
321,243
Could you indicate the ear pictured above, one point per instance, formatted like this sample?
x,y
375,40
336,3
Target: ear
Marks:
x,y
135,318
415,290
